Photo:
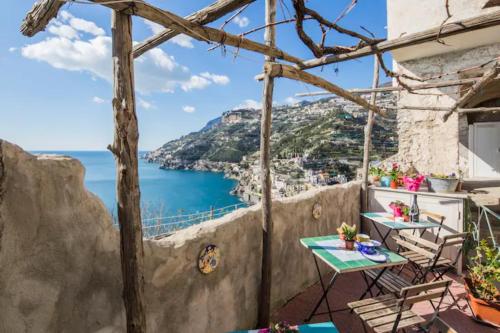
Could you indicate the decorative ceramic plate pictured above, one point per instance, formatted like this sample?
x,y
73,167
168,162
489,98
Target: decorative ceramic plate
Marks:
x,y
376,243
208,259
316,212
377,256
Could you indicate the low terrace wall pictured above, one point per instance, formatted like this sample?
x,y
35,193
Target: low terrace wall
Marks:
x,y
60,266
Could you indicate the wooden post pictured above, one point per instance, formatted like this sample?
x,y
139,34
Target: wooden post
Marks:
x,y
127,176
368,139
264,310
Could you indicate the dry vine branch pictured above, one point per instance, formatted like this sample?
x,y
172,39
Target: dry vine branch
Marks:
x,y
319,50
448,16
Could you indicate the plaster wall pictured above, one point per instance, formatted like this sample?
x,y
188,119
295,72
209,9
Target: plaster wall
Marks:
x,y
424,139
406,17
60,264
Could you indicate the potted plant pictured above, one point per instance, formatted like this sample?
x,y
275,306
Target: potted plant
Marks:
x,y
441,183
400,209
413,182
482,284
375,173
349,234
394,173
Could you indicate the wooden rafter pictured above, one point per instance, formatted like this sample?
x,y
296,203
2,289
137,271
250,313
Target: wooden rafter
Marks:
x,y
165,18
368,135
290,72
489,76
125,150
39,16
264,311
449,29
203,33
203,16
423,86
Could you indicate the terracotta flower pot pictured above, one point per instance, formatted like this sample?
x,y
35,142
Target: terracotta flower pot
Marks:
x,y
394,184
486,311
406,218
349,244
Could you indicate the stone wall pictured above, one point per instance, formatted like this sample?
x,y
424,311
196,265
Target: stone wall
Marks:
x,y
424,139
59,255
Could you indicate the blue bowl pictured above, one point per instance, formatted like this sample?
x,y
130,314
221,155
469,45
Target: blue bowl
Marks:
x,y
367,247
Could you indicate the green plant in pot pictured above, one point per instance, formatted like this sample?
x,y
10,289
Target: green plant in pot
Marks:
x,y
375,173
483,283
349,233
441,183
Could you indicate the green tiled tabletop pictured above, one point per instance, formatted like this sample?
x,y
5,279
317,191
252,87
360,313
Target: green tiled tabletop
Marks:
x,y
331,250
387,220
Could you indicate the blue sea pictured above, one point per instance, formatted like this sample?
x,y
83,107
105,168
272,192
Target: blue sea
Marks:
x,y
165,192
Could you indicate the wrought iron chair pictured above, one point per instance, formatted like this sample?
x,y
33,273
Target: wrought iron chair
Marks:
x,y
390,313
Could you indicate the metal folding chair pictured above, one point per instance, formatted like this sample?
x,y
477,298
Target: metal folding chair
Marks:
x,y
389,313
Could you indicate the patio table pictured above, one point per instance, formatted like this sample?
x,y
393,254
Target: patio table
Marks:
x,y
327,327
388,221
331,250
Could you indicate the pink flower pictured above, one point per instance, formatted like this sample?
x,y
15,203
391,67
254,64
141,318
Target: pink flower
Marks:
x,y
413,184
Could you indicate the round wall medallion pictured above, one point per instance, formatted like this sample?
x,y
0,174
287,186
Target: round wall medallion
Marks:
x,y
316,212
208,259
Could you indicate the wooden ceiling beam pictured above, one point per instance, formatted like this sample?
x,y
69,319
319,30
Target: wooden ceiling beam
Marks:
x,y
206,15
423,86
200,32
39,16
290,72
489,76
449,29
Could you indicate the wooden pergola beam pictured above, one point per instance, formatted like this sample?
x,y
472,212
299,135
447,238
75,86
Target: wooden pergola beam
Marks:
x,y
264,311
203,33
449,29
290,72
39,16
203,16
125,151
423,86
44,11
368,135
489,76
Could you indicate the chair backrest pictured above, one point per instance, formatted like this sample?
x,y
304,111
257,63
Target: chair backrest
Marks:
x,y
453,240
436,218
420,293
424,292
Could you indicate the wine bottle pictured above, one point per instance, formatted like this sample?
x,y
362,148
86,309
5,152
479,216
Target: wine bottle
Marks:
x,y
414,211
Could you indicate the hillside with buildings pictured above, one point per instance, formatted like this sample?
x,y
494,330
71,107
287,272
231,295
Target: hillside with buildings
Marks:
x,y
313,143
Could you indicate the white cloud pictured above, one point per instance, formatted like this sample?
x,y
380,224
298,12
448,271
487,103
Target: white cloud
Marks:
x,y
195,82
65,31
217,79
155,71
248,104
79,24
144,104
155,27
181,40
12,49
188,109
291,100
98,100
241,21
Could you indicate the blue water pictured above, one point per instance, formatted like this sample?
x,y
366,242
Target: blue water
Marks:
x,y
167,191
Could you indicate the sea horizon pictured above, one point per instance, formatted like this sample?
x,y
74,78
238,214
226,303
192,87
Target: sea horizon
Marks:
x,y
163,192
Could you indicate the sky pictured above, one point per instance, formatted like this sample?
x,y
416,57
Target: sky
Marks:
x,y
56,87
